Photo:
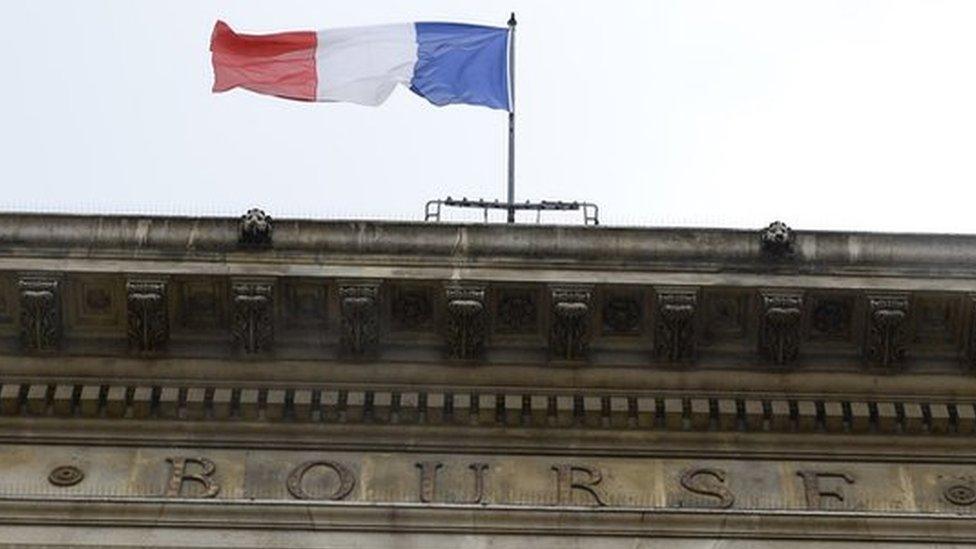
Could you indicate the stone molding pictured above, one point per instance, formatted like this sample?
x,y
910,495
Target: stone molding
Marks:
x,y
171,517
111,237
692,412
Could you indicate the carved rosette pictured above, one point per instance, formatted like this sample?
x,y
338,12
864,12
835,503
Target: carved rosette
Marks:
x,y
621,315
40,314
359,307
253,325
147,319
516,313
777,240
569,336
779,325
886,337
466,321
674,331
255,228
411,308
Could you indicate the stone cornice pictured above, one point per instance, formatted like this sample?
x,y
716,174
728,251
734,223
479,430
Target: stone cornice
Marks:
x,y
419,244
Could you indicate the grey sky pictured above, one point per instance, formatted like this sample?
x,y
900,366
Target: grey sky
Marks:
x,y
837,114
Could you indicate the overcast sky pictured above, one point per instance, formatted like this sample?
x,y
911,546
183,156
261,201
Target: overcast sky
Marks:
x,y
827,114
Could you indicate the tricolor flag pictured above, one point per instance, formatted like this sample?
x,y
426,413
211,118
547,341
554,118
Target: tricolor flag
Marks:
x,y
443,62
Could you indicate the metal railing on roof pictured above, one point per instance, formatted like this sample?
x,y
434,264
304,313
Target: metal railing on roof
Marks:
x,y
591,212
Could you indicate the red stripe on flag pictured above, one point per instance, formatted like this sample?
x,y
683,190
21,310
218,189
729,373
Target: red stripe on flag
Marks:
x,y
280,64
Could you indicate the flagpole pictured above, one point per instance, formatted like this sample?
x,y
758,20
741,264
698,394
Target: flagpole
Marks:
x,y
511,118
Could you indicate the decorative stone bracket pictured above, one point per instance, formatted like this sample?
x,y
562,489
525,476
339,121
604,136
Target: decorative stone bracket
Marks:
x,y
674,331
253,324
466,320
569,337
779,325
40,313
147,319
359,308
886,328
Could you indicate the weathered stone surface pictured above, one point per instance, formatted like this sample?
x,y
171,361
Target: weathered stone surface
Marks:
x,y
624,377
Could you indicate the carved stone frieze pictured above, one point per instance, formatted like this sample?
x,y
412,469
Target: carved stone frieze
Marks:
x,y
569,336
674,330
255,228
779,325
886,327
777,240
40,313
466,320
147,318
359,308
253,324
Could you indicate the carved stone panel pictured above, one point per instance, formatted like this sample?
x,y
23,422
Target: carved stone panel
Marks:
x,y
253,321
517,312
886,327
93,303
674,329
147,317
779,325
40,313
569,336
359,308
202,304
466,320
412,308
304,303
8,301
971,334
623,313
831,317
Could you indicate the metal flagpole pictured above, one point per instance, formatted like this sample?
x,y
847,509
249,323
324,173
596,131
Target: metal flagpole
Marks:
x,y
432,210
511,118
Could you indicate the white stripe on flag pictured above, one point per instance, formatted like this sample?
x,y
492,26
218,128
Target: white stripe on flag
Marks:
x,y
364,64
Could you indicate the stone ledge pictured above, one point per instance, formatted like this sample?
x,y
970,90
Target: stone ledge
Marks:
x,y
216,239
491,519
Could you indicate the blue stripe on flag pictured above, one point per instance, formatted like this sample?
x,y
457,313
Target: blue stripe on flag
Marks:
x,y
459,63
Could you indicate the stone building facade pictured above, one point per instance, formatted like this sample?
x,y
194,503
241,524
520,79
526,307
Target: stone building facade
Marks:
x,y
183,382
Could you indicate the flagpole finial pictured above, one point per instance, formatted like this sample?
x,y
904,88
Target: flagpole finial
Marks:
x,y
511,20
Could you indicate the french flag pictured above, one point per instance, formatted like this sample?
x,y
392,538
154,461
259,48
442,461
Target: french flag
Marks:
x,y
445,63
